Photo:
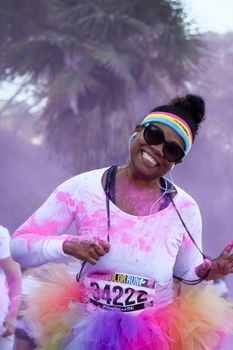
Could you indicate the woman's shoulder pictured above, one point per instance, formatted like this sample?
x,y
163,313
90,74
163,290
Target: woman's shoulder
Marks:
x,y
184,198
84,179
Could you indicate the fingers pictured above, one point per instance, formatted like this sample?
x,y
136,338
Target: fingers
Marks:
x,y
228,268
220,267
227,249
98,250
92,260
103,245
206,265
202,269
86,250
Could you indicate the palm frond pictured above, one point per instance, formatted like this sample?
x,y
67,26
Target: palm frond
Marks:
x,y
120,64
36,57
79,81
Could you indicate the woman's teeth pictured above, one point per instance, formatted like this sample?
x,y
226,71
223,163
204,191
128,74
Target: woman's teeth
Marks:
x,y
147,157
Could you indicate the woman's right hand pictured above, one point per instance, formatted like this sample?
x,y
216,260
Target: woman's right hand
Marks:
x,y
86,250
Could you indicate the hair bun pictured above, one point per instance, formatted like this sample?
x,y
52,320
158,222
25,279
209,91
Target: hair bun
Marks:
x,y
193,104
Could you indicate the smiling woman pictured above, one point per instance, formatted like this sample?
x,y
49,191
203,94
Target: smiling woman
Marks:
x,y
138,237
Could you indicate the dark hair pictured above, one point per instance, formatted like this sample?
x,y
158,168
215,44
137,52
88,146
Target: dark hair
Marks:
x,y
190,108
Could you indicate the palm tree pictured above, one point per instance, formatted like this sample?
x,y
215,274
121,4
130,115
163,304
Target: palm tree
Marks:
x,y
90,59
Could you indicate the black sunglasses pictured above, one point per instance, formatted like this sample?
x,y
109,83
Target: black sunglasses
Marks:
x,y
153,135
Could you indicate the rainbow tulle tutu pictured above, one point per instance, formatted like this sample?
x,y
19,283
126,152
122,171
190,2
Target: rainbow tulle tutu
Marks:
x,y
197,319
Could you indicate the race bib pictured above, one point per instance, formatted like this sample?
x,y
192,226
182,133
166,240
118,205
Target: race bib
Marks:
x,y
124,291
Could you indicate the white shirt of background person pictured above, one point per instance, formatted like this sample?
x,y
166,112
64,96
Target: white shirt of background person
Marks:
x,y
10,288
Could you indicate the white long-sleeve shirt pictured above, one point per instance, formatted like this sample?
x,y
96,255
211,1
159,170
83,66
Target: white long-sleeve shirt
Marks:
x,y
155,245
4,254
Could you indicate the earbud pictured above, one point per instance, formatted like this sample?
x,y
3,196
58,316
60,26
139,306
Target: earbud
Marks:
x,y
134,135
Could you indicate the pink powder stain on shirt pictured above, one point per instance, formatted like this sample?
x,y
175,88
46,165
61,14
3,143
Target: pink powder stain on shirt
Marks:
x,y
154,240
48,227
25,228
33,232
142,242
93,220
187,241
124,230
148,248
164,231
83,212
185,204
65,197
125,238
122,226
81,207
143,245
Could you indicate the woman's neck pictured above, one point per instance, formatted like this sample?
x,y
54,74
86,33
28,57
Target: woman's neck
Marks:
x,y
136,196
127,176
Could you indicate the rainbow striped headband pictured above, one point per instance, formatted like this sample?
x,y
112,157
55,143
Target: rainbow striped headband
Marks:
x,y
175,123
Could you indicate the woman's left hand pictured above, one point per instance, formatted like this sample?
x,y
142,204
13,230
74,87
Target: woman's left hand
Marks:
x,y
219,267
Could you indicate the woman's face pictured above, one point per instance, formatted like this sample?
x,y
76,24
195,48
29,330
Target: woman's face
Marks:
x,y
147,161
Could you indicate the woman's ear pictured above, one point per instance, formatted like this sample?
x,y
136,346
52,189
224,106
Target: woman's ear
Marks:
x,y
136,131
138,128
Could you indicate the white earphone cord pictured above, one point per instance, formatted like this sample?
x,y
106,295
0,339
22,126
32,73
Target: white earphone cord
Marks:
x,y
171,180
164,192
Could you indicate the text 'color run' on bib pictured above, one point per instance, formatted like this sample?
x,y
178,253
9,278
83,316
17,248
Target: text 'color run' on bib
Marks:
x,y
118,290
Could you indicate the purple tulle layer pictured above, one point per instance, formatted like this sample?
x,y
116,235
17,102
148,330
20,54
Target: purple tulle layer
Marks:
x,y
116,330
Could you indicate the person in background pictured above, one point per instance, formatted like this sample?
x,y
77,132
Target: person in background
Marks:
x,y
10,289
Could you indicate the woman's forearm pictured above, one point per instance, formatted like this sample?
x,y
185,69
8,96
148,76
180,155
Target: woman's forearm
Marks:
x,y
31,250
